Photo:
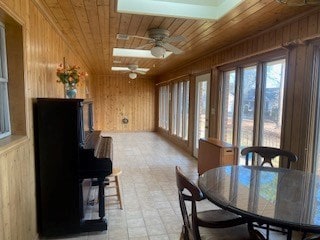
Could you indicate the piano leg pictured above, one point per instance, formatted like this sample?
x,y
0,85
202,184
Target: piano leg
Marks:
x,y
101,198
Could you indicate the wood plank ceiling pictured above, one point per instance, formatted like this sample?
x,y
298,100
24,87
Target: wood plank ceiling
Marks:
x,y
91,27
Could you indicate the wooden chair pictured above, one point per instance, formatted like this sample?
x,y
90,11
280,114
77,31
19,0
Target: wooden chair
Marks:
x,y
213,222
313,237
268,154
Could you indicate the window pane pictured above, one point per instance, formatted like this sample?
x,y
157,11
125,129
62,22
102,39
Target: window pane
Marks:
x,y
202,89
166,107
174,108
179,109
4,100
228,105
4,110
247,108
272,101
186,111
160,107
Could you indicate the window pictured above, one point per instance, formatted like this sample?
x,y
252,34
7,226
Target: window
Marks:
x,y
180,109
252,104
247,106
174,103
4,102
228,105
164,107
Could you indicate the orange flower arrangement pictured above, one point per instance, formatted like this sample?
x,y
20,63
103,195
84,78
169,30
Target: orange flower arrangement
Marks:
x,y
70,75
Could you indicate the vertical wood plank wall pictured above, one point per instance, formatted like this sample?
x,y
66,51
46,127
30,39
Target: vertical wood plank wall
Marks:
x,y
117,97
295,36
44,49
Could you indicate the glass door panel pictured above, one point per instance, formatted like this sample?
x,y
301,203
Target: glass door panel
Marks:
x,y
229,81
272,102
247,109
202,110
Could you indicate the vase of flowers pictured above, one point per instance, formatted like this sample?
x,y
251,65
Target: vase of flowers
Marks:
x,y
70,76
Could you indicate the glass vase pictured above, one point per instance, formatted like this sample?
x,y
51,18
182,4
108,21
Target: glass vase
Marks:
x,y
70,90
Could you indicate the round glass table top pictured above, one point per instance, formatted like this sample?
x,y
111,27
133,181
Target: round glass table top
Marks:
x,y
270,195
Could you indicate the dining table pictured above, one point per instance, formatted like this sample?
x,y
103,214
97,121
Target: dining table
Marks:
x,y
279,197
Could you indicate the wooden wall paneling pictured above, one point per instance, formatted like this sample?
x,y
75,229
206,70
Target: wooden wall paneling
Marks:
x,y
104,16
117,98
43,50
96,32
294,31
308,109
287,125
303,27
313,24
17,220
298,75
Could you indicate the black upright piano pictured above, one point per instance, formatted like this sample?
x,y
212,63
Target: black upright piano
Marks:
x,y
70,158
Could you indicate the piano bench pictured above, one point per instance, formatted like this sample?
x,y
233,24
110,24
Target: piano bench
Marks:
x,y
116,172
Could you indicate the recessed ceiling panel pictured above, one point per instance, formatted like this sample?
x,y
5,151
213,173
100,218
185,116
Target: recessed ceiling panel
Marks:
x,y
127,69
136,53
201,9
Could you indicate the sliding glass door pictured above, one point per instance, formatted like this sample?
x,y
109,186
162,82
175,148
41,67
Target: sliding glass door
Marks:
x,y
252,100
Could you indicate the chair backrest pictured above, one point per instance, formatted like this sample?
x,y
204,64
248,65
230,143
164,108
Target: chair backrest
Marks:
x,y
268,153
195,195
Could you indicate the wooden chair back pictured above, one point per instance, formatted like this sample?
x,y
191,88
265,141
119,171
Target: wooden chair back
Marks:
x,y
190,229
268,154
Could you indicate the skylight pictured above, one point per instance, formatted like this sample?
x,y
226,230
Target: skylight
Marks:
x,y
127,69
135,53
198,9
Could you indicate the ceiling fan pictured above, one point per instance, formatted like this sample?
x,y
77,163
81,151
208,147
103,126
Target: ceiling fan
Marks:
x,y
160,41
132,69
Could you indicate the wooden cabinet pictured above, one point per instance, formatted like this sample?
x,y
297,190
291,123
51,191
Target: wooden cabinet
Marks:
x,y
215,153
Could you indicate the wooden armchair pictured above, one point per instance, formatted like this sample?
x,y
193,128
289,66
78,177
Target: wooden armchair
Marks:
x,y
268,154
213,222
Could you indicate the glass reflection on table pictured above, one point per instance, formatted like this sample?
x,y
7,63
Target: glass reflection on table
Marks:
x,y
275,195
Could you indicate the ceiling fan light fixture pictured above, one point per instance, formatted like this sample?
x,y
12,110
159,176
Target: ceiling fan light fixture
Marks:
x,y
132,75
158,51
299,2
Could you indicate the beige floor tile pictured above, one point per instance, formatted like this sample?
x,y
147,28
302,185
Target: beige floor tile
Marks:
x,y
159,237
135,222
137,232
151,208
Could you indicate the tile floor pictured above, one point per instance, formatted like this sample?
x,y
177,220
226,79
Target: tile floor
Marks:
x,y
151,209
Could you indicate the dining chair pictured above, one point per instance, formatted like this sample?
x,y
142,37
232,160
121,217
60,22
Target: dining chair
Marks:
x,y
210,224
313,237
268,154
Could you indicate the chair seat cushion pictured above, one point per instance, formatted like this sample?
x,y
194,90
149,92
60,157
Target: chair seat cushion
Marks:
x,y
239,232
220,217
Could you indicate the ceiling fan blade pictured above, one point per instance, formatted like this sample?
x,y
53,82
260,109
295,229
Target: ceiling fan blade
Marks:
x,y
172,48
121,36
145,45
175,39
145,38
140,72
